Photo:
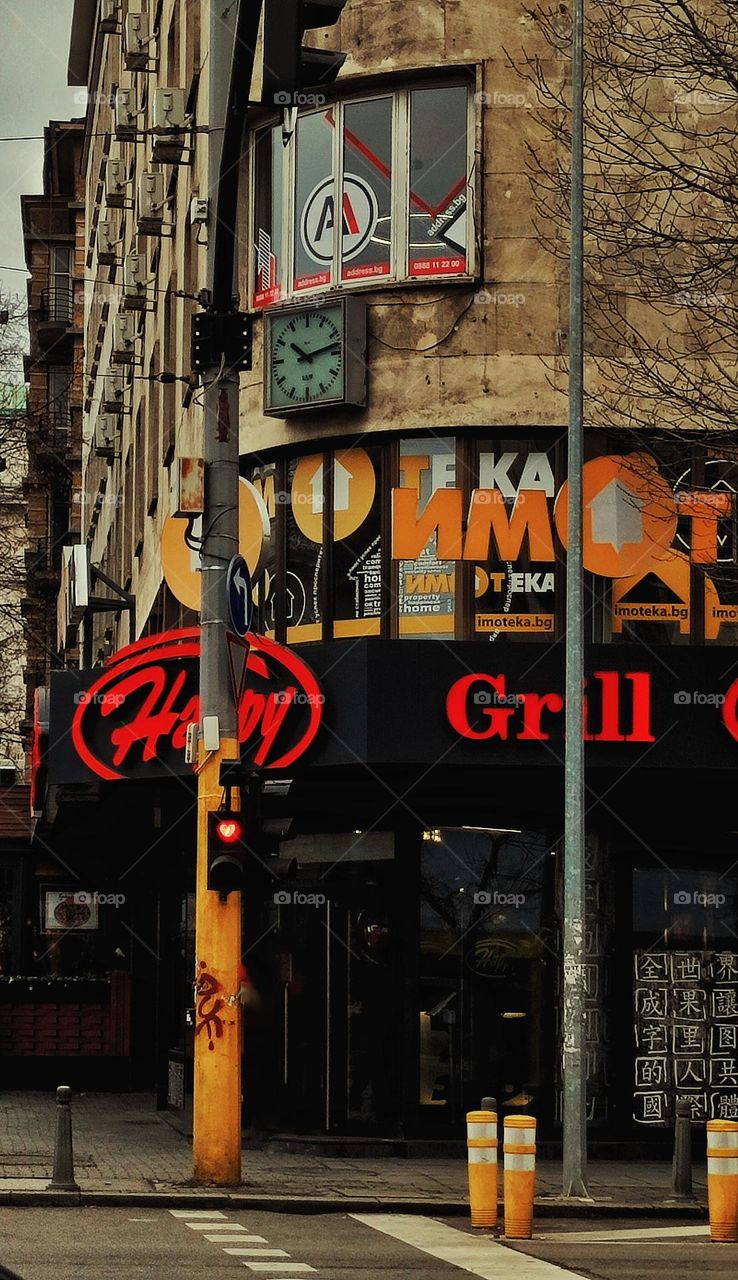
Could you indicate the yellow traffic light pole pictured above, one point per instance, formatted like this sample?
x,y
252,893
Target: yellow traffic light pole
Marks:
x,y
232,40
216,1138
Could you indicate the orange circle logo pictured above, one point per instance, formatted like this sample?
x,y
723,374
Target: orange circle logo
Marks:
x,y
630,515
354,487
180,552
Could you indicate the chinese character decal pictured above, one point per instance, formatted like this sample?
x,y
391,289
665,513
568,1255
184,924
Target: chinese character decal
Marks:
x,y
686,1035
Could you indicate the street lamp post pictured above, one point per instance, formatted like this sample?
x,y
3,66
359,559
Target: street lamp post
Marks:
x,y
574,1056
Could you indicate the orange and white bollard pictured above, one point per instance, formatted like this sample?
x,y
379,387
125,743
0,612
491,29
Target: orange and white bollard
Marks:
x,y
722,1179
481,1131
519,1149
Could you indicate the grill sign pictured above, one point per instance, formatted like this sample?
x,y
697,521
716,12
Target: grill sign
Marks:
x,y
132,721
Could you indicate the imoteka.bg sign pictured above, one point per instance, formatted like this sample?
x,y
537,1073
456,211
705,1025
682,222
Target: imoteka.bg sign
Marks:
x,y
131,722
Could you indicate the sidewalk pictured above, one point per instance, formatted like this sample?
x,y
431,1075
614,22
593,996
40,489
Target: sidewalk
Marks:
x,y
125,1152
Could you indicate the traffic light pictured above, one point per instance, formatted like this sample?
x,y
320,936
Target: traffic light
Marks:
x,y
290,66
225,853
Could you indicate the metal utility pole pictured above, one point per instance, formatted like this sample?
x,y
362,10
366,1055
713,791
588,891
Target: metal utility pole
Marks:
x,y
217,1084
574,1055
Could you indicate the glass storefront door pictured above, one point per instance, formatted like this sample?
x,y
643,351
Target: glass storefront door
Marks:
x,y
395,987
482,958
321,1043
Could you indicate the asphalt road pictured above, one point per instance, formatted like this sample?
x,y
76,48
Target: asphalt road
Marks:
x,y
629,1250
156,1244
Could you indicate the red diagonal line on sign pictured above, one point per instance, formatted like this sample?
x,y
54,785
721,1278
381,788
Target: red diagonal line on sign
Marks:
x,y
349,215
373,159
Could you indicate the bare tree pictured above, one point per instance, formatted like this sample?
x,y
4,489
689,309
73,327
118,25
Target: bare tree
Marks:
x,y
13,465
661,207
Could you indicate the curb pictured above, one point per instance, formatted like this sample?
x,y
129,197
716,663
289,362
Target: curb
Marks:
x,y
544,1208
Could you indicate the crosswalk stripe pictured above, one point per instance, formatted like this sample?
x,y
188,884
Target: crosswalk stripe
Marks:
x,y
485,1258
220,1226
196,1213
257,1253
624,1234
246,1253
223,1238
281,1268
214,1226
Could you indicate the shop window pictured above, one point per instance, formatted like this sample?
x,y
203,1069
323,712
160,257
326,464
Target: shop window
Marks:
x,y
653,602
685,995
314,201
357,543
391,171
515,583
304,548
265,480
367,181
268,168
716,578
684,907
438,213
426,584
444,537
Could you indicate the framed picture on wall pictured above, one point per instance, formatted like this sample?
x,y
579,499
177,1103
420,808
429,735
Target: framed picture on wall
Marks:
x,y
63,910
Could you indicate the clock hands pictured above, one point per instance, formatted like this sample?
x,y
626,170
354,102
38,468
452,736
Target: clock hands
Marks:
x,y
308,355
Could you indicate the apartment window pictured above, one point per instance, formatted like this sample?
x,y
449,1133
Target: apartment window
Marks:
x,y
58,385
392,171
59,294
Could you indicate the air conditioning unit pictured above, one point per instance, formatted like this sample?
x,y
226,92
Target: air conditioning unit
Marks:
x,y
169,122
105,249
107,436
136,40
115,182
125,115
135,273
113,396
109,11
151,200
125,332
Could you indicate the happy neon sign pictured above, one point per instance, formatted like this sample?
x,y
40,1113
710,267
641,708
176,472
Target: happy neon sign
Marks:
x,y
132,721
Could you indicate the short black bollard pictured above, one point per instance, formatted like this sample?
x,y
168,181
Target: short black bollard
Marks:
x,y
681,1169
62,1179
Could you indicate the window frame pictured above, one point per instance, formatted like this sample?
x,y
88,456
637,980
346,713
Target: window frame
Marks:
x,y
398,275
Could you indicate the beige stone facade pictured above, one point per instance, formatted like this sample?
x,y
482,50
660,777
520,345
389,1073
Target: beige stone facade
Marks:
x,y
486,349
440,357
125,497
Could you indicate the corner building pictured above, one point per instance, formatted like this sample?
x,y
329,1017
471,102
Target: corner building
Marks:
x,y
403,449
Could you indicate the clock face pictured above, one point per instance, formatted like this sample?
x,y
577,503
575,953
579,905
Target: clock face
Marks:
x,y
306,355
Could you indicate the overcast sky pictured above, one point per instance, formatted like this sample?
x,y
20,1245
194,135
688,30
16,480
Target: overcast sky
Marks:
x,y
33,90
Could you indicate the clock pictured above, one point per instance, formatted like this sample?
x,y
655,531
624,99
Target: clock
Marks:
x,y
315,356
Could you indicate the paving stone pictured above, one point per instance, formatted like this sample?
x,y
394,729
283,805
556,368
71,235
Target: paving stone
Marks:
x,y
123,1147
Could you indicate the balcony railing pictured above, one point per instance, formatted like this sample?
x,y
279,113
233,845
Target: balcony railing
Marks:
x,y
57,305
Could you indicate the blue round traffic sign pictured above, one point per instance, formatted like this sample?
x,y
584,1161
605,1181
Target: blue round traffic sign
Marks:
x,y
240,602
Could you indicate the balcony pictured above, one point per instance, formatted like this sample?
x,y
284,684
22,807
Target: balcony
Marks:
x,y
42,567
49,437
55,316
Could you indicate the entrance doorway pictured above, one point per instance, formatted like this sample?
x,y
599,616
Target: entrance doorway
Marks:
x,y
321,1048
484,941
